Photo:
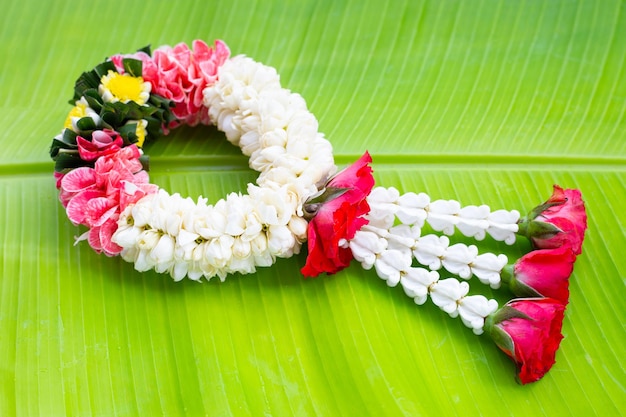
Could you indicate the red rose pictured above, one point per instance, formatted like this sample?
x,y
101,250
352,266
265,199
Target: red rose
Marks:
x,y
338,218
560,221
529,331
543,272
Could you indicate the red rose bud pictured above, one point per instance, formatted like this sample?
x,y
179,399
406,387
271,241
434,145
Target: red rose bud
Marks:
x,y
528,330
337,214
542,273
560,221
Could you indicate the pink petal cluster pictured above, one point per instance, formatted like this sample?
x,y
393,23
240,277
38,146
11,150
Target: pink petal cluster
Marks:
x,y
180,74
103,142
95,197
339,218
529,331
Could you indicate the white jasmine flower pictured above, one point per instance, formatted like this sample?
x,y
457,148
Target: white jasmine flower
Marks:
x,y
142,261
298,227
218,252
473,310
241,248
280,241
487,267
443,215
417,282
429,250
148,239
457,259
446,293
259,244
390,265
412,208
163,253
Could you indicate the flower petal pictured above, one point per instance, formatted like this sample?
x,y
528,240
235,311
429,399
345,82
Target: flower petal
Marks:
x,y
78,179
76,206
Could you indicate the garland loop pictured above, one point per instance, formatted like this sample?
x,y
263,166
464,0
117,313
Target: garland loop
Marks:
x,y
130,100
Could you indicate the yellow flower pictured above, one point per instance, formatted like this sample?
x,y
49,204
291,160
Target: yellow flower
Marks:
x,y
141,132
80,110
123,87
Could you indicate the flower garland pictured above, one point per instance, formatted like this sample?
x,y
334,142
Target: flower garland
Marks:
x,y
129,100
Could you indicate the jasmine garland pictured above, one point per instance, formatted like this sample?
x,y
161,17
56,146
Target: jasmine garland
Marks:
x,y
299,197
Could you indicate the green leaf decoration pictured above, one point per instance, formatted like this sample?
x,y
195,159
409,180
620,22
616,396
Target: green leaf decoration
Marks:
x,y
91,79
487,101
67,140
129,133
132,66
68,160
146,50
86,123
94,99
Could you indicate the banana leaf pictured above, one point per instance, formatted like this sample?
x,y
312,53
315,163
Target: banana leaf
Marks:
x,y
484,101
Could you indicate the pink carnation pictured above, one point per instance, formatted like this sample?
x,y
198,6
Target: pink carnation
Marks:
x,y
180,74
184,73
95,197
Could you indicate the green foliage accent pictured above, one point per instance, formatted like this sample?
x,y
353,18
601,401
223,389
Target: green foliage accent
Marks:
x,y
132,66
116,116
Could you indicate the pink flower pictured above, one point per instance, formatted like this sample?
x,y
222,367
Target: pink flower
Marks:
x,y
560,221
543,272
529,331
182,75
103,142
58,176
337,218
95,197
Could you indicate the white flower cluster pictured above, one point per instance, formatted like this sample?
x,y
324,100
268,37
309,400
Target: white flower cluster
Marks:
x,y
393,238
432,251
445,215
271,125
388,254
274,128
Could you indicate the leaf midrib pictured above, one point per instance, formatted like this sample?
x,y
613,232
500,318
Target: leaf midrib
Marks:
x,y
237,163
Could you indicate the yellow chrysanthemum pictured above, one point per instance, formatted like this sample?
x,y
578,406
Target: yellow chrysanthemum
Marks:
x,y
124,87
78,111
141,132
81,109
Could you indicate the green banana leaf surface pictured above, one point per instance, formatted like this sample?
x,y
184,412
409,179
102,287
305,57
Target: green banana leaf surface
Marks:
x,y
483,101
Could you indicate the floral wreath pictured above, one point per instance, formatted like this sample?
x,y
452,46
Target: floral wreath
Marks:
x,y
129,100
